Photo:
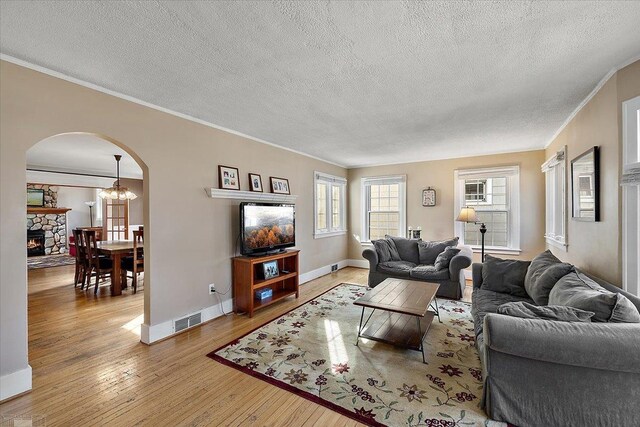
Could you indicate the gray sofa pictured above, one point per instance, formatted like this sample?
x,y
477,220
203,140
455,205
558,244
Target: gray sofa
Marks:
x,y
451,279
556,373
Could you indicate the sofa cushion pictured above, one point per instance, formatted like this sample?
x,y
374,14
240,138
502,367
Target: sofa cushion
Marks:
x,y
396,268
484,301
549,312
386,250
579,291
504,275
443,260
407,249
543,273
429,251
429,272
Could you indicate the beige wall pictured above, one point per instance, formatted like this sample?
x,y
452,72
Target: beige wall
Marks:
x,y
597,246
438,222
189,238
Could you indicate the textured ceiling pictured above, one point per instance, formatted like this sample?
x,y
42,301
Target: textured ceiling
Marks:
x,y
356,83
91,155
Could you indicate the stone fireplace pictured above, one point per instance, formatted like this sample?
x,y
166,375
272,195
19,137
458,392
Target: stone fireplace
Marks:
x,y
52,222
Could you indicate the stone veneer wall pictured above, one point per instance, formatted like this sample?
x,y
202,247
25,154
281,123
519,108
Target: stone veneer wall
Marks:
x,y
55,231
53,225
50,194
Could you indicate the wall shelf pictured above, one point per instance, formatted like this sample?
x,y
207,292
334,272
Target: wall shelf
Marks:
x,y
216,193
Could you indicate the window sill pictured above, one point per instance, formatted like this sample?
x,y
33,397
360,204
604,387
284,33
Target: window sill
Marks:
x,y
329,234
556,244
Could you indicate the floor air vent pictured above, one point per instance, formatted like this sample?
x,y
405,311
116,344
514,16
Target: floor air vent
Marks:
x,y
187,322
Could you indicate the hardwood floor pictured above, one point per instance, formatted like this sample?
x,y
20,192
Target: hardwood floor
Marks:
x,y
89,367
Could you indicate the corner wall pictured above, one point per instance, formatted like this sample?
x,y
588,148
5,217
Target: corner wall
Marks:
x,y
597,246
438,222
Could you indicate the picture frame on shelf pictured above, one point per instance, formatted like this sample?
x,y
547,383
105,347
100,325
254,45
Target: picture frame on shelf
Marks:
x,y
228,178
255,182
279,185
270,269
428,197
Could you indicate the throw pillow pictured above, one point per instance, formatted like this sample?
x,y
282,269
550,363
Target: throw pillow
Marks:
x,y
543,280
538,266
383,249
407,249
549,312
579,291
504,275
443,260
429,251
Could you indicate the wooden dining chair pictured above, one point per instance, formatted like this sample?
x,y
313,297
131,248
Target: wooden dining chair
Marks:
x,y
135,263
98,266
80,258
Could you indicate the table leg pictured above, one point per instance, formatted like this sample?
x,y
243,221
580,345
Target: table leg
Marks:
x,y
421,339
436,309
360,327
116,285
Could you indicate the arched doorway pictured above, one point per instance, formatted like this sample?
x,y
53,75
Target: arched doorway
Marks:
x,y
70,169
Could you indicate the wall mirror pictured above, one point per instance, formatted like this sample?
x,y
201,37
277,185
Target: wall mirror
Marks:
x,y
585,183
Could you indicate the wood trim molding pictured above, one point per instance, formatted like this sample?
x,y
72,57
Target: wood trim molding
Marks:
x,y
47,210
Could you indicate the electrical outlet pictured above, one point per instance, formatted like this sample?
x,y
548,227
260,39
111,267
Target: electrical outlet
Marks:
x,y
212,289
334,267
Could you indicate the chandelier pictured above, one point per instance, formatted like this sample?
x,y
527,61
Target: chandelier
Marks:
x,y
117,192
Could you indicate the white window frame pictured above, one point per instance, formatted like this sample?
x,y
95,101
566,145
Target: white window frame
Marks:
x,y
555,172
331,181
365,188
513,202
631,195
98,208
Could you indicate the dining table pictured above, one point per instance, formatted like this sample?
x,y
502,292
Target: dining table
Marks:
x,y
115,250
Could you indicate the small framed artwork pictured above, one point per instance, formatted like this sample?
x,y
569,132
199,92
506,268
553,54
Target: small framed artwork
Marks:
x,y
428,197
279,185
35,197
228,178
270,269
255,182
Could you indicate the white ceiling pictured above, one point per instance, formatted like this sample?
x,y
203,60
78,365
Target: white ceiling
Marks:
x,y
356,83
82,154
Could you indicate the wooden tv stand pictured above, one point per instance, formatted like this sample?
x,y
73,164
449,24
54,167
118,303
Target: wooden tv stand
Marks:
x,y
247,273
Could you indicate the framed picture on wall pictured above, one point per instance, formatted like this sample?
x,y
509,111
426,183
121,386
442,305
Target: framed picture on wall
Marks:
x,y
279,185
228,178
429,197
255,182
35,197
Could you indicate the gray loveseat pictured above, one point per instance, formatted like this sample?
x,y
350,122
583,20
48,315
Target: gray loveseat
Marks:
x,y
451,279
540,372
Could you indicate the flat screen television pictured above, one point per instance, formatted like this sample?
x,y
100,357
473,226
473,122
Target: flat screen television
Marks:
x,y
266,227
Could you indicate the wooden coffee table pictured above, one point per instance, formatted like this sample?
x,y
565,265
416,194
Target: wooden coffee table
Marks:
x,y
402,301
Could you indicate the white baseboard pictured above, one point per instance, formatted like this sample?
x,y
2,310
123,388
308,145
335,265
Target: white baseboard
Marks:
x,y
360,263
153,333
15,383
322,271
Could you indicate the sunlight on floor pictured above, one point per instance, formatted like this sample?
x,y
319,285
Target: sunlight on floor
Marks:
x,y
337,351
134,325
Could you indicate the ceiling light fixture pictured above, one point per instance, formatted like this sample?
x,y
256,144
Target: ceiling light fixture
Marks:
x,y
117,192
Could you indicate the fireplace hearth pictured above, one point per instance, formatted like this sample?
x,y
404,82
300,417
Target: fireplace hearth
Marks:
x,y
35,242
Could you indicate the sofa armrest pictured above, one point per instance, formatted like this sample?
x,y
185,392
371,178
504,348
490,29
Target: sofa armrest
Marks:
x,y
607,346
372,256
460,261
476,272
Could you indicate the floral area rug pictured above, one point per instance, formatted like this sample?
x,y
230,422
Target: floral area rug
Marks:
x,y
311,351
45,261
